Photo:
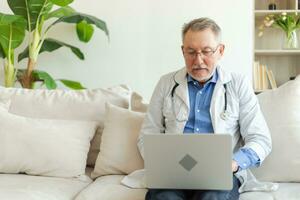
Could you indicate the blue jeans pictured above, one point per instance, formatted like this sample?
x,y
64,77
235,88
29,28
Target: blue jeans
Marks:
x,y
171,194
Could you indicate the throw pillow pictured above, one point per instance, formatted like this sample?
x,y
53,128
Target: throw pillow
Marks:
x,y
44,147
137,103
281,108
119,153
88,105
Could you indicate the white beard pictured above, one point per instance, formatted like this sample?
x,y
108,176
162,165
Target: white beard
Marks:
x,y
204,79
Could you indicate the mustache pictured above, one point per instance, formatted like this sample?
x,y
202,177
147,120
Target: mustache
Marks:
x,y
199,67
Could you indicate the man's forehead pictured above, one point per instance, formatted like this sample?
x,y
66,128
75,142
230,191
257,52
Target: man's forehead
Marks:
x,y
199,46
200,39
204,33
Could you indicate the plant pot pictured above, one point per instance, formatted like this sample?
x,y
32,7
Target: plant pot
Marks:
x,y
290,40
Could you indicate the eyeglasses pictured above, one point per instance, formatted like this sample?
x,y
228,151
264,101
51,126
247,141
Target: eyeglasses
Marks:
x,y
192,54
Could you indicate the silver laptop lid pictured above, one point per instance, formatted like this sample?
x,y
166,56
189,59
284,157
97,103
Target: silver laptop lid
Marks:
x,y
188,161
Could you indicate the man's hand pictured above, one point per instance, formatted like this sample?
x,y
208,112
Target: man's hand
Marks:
x,y
234,166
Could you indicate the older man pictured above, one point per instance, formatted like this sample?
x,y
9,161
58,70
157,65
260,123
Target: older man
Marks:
x,y
203,98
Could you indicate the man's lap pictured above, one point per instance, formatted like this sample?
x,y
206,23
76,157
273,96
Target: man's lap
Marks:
x,y
177,194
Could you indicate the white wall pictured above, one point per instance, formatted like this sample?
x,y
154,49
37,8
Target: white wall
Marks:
x,y
145,39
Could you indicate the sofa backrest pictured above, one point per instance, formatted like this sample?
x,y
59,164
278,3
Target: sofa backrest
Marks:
x,y
281,108
88,105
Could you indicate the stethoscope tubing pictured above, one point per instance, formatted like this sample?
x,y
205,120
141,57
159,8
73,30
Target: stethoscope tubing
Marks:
x,y
223,115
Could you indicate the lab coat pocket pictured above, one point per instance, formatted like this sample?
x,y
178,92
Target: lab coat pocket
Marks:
x,y
168,112
231,122
232,115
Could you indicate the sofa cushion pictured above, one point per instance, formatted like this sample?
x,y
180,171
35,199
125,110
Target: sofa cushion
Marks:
x,y
43,146
281,108
109,188
119,153
68,105
137,103
286,191
26,187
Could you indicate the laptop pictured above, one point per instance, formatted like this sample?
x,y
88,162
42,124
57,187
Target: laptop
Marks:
x,y
188,161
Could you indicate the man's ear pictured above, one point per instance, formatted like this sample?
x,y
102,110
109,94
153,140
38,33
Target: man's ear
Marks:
x,y
182,49
222,49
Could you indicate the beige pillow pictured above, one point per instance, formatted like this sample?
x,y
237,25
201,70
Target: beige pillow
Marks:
x,y
119,153
88,105
44,147
281,108
137,103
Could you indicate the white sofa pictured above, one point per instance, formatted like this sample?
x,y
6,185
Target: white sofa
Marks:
x,y
118,125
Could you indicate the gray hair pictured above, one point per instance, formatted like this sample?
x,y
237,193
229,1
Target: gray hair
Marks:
x,y
201,24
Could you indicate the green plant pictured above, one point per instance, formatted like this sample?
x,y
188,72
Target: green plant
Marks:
x,y
286,22
29,18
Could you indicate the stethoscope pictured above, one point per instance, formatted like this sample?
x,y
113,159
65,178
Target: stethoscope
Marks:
x,y
223,115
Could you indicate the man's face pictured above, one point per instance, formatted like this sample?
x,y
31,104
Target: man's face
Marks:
x,y
201,52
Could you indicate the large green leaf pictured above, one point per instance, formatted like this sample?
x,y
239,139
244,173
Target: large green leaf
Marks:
x,y
30,9
45,78
50,45
62,2
79,17
72,84
9,19
60,12
84,31
2,54
10,36
12,31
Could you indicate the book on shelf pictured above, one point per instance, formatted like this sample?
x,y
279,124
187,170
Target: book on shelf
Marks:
x,y
264,81
256,77
263,78
271,79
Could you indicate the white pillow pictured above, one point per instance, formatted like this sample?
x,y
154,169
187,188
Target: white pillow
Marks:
x,y
44,147
281,108
119,153
88,105
137,103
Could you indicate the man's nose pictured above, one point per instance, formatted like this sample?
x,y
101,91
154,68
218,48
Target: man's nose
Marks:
x,y
199,58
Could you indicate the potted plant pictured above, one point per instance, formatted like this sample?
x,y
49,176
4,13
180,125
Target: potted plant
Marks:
x,y
30,17
288,23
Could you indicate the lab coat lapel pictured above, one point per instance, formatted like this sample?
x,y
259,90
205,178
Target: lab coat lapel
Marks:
x,y
218,101
182,89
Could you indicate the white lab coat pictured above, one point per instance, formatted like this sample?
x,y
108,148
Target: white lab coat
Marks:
x,y
244,120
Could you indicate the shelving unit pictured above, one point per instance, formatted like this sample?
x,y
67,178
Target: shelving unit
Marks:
x,y
284,63
276,52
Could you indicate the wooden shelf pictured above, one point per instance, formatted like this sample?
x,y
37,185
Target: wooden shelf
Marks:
x,y
260,14
267,12
284,63
276,52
